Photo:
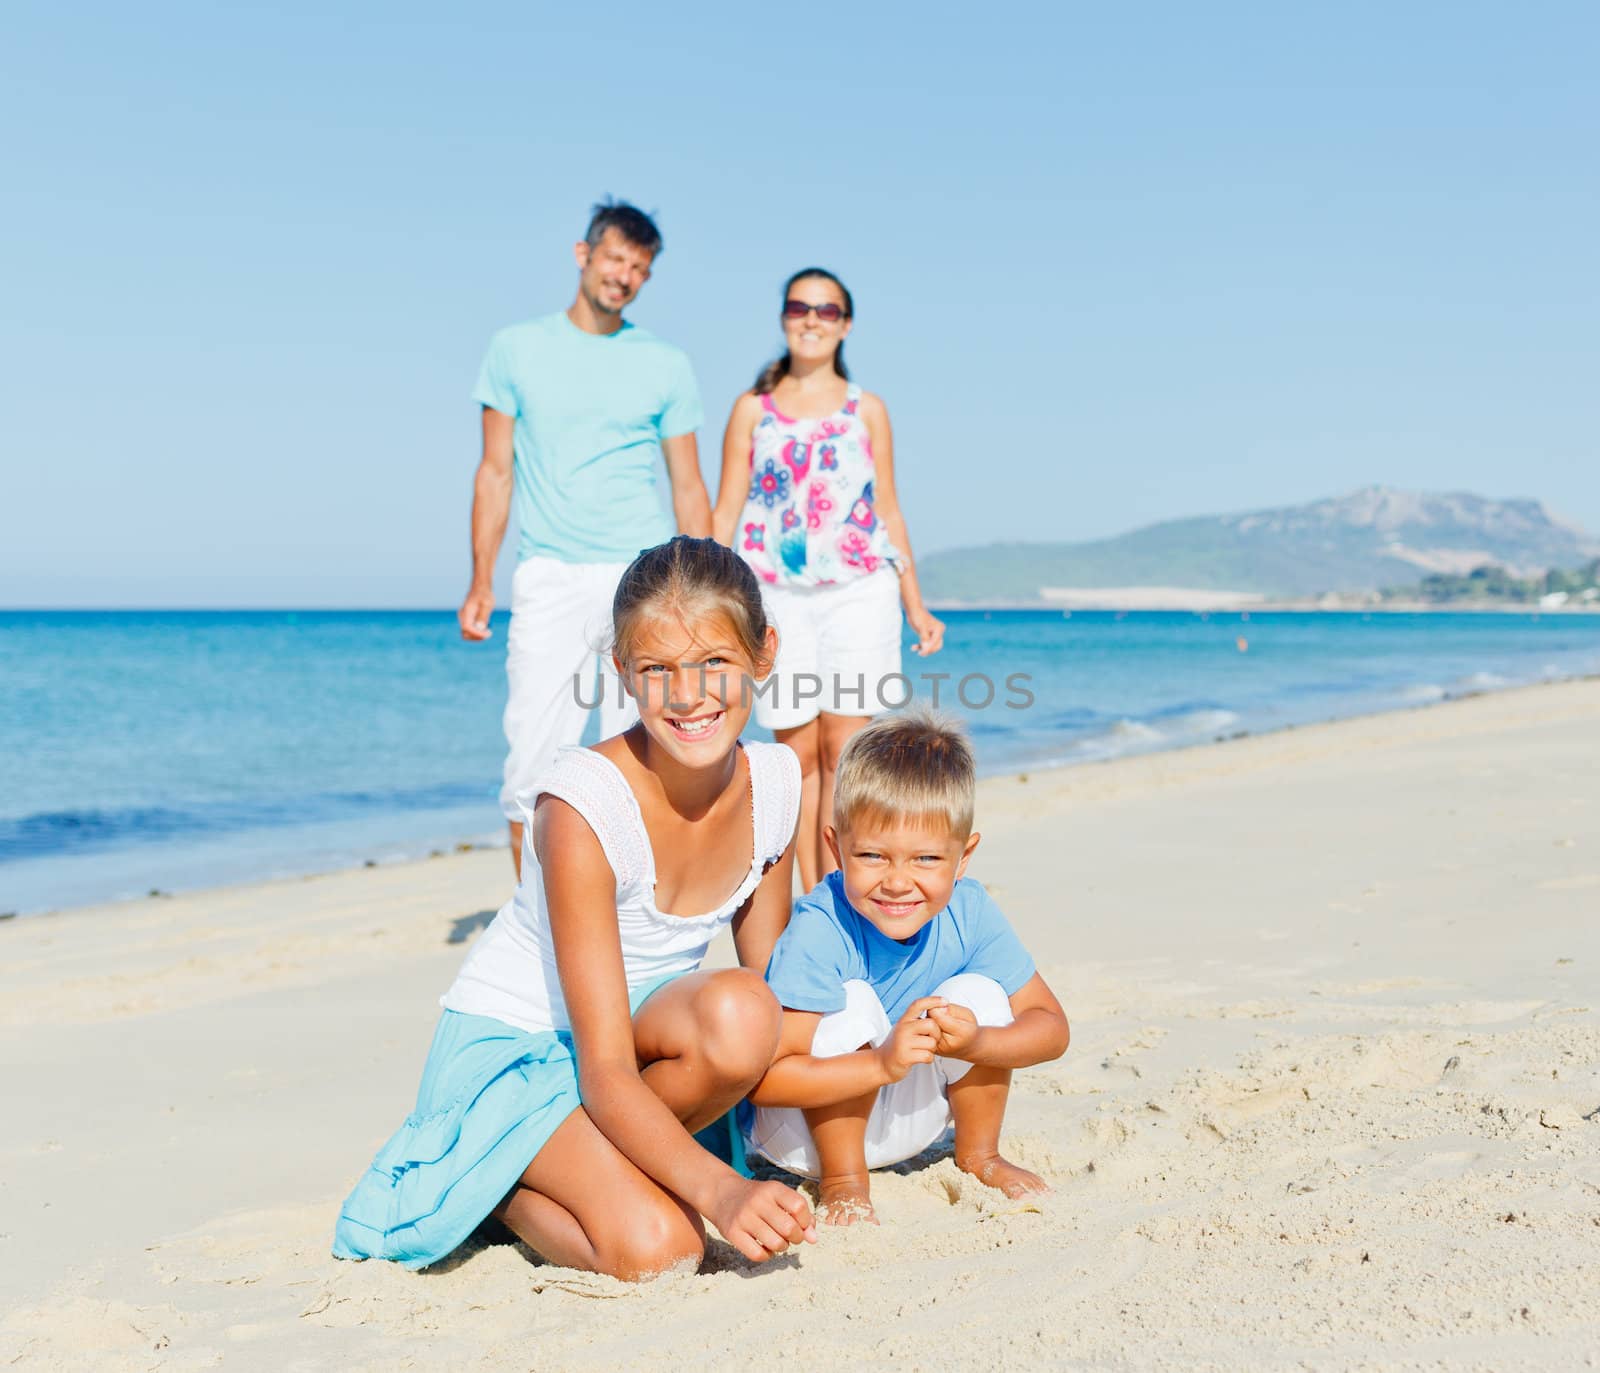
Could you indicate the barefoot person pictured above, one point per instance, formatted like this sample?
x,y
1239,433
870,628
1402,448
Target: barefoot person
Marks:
x,y
579,410
907,998
808,499
579,1045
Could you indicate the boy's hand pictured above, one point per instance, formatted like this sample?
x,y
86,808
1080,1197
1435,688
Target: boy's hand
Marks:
x,y
761,1219
912,1041
958,1030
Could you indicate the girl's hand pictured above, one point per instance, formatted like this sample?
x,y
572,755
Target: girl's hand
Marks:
x,y
912,1041
930,631
958,1030
761,1219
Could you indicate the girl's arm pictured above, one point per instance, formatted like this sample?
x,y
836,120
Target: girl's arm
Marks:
x,y
1039,1033
581,895
929,628
766,914
735,484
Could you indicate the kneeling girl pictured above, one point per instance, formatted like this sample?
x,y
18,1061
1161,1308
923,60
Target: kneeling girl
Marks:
x,y
579,1046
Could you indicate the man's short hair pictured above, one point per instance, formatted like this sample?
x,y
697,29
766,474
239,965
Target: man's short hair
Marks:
x,y
917,766
628,220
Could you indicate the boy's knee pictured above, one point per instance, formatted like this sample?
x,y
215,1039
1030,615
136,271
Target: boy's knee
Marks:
x,y
738,1020
862,1021
983,996
654,1240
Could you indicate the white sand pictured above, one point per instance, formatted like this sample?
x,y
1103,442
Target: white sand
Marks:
x,y
1330,1101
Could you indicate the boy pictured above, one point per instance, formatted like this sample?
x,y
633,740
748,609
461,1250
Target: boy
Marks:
x,y
907,1000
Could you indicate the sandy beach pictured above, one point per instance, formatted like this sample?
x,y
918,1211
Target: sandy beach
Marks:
x,y
1333,1097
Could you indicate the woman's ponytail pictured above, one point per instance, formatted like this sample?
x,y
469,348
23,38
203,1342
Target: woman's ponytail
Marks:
x,y
774,372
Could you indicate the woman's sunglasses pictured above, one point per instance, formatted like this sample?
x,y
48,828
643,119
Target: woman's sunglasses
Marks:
x,y
799,309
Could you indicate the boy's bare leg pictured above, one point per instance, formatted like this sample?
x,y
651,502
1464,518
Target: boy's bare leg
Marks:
x,y
844,1194
978,1104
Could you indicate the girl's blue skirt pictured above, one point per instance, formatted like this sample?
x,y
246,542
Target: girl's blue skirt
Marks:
x,y
491,1097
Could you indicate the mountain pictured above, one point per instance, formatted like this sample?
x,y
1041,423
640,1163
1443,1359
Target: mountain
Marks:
x,y
1369,539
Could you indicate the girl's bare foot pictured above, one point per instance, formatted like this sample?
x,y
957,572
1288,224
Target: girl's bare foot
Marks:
x,y
845,1201
1002,1175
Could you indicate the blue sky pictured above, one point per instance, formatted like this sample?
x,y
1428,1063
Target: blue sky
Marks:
x,y
1112,264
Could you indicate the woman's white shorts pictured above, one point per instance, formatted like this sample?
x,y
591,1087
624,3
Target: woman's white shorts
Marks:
x,y
838,651
909,1115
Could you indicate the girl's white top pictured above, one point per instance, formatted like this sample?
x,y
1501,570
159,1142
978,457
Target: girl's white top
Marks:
x,y
510,972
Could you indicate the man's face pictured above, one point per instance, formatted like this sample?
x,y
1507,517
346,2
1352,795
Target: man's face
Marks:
x,y
611,273
899,871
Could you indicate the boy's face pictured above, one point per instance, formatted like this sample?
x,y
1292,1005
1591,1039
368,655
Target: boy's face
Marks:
x,y
899,871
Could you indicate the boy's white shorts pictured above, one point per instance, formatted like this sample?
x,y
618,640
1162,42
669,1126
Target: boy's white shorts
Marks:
x,y
838,651
909,1115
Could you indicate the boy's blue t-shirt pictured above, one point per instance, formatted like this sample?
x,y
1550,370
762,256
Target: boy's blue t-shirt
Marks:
x,y
591,411
828,944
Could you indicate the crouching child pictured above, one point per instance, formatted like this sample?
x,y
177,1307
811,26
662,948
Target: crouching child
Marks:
x,y
907,999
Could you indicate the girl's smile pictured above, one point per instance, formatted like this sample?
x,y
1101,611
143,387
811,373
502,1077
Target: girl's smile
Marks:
x,y
698,727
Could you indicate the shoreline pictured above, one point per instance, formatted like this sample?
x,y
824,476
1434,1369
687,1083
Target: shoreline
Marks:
x,y
456,847
456,844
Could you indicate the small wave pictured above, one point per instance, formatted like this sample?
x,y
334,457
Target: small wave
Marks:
x,y
1423,693
1483,681
1205,721
1124,736
1135,732
73,831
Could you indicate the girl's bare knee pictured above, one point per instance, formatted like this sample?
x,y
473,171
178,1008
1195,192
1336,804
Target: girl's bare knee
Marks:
x,y
738,1020
657,1239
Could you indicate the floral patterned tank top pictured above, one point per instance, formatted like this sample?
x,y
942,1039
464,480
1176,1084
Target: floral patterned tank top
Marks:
x,y
809,519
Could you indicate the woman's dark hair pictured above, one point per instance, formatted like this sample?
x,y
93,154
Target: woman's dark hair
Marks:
x,y
776,370
689,579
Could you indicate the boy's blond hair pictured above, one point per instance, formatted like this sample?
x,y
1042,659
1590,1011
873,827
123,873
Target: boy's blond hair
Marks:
x,y
918,764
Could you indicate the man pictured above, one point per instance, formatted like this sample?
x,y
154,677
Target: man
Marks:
x,y
578,409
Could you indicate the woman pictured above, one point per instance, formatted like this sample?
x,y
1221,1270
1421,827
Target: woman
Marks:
x,y
808,500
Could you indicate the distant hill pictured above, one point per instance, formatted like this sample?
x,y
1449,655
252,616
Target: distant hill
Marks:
x,y
1373,538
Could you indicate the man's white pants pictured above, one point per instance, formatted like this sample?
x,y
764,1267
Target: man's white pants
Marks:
x,y
559,640
908,1115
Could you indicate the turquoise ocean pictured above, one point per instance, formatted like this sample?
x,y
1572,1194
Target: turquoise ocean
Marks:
x,y
170,750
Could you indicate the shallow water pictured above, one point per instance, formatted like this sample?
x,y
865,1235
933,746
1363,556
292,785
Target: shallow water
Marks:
x,y
175,749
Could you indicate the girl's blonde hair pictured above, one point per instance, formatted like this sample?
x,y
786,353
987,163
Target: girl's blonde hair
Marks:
x,y
917,765
690,579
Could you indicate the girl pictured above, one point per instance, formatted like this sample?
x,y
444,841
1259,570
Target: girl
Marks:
x,y
579,1048
808,500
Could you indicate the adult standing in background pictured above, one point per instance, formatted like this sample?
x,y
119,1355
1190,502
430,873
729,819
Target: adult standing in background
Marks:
x,y
808,499
579,408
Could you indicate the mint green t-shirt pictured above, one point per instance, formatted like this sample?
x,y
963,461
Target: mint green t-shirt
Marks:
x,y
591,411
